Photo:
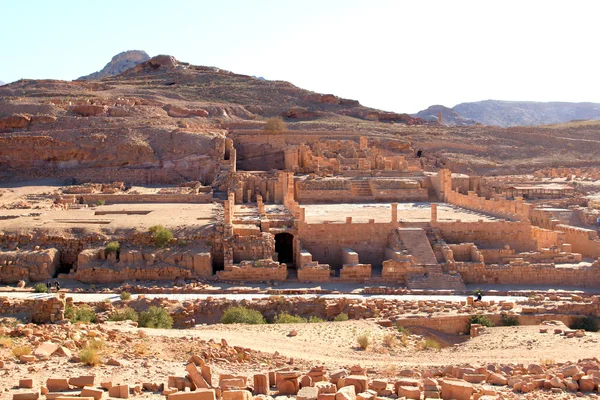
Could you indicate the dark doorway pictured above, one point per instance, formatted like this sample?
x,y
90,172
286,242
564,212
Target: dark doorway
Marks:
x,y
284,247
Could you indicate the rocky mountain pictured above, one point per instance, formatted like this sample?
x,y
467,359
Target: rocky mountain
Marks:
x,y
526,113
449,116
119,64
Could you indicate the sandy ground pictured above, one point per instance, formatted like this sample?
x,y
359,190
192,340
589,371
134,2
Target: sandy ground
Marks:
x,y
154,355
382,212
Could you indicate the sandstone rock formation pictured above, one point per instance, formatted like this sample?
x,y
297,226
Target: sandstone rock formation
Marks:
x,y
119,64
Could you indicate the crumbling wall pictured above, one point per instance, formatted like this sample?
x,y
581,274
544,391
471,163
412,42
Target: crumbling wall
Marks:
x,y
489,234
96,266
28,265
254,271
41,311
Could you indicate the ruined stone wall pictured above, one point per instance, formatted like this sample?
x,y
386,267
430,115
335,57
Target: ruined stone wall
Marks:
x,y
489,234
254,271
397,270
40,311
28,265
584,241
146,198
326,241
547,238
96,266
518,272
253,247
456,324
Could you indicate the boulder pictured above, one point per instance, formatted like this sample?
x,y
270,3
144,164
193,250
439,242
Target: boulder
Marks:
x,y
346,393
456,389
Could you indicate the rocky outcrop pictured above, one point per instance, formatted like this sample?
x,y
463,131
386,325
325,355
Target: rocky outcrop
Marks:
x,y
15,122
119,64
161,62
88,110
449,116
182,112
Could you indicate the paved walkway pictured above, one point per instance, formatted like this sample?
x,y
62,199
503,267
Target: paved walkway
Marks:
x,y
96,297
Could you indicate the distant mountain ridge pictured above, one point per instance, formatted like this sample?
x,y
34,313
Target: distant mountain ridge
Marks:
x,y
119,64
449,116
2,83
511,113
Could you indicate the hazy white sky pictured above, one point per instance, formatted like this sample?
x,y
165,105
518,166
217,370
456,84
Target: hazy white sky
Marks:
x,y
394,55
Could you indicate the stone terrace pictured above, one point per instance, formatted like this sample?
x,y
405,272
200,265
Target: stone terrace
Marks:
x,y
380,212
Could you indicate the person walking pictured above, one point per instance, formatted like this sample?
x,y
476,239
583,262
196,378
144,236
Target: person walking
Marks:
x,y
49,286
57,285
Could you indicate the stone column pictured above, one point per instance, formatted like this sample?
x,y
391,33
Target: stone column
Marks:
x,y
434,212
394,212
260,205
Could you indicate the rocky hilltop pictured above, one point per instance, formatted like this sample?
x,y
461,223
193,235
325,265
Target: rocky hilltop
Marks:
x,y
119,64
449,116
526,113
165,121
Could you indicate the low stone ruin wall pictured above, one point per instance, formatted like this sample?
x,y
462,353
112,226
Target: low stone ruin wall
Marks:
x,y
518,272
28,265
96,266
455,324
397,270
146,198
35,310
254,271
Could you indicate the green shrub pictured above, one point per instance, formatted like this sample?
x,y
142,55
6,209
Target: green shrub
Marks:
x,y
112,247
275,125
341,317
125,295
80,314
100,202
589,324
285,318
429,343
161,235
156,317
90,356
23,350
126,313
315,320
479,319
364,340
40,288
242,315
509,320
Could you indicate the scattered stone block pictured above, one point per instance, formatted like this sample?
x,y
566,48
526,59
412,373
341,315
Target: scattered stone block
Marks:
x,y
57,384
92,392
346,393
120,391
456,389
237,395
200,394
410,392
308,393
26,383
261,384
83,380
32,395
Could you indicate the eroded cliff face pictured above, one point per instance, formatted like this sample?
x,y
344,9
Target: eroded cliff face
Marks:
x,y
90,132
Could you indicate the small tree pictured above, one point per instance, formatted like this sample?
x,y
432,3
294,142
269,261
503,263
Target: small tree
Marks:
x,y
275,125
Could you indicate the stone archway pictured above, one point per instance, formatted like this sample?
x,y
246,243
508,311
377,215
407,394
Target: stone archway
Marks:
x,y
284,247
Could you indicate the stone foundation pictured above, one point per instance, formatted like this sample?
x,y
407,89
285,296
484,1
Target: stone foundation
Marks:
x,y
28,265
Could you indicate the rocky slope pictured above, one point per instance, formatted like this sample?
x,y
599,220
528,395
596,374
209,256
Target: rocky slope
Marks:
x,y
164,121
119,64
526,113
449,116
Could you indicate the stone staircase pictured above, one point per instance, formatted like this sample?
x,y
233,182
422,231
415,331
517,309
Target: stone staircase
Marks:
x,y
361,188
416,242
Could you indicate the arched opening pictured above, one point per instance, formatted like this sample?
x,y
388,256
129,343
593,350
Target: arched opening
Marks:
x,y
284,247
